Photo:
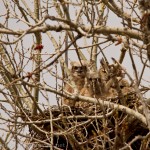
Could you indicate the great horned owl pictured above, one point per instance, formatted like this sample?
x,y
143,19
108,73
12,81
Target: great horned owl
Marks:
x,y
106,74
124,89
96,87
114,78
104,70
78,73
92,88
103,73
120,85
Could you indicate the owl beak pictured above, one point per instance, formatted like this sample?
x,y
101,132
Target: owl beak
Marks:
x,y
79,71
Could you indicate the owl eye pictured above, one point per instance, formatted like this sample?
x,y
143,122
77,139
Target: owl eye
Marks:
x,y
81,68
104,71
75,67
121,86
90,79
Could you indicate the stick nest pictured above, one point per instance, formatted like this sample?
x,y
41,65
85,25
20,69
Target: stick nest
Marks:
x,y
94,127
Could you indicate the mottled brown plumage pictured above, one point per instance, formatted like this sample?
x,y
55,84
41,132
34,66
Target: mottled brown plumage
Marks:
x,y
92,88
96,87
114,78
78,73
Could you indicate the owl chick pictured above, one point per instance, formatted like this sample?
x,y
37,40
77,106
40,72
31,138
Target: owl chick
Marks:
x,y
106,75
91,88
103,73
78,73
114,78
104,70
96,87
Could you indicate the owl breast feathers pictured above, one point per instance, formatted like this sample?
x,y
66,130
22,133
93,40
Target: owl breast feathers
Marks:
x,y
78,73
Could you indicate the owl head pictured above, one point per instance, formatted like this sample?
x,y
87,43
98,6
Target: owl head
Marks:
x,y
79,69
93,76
